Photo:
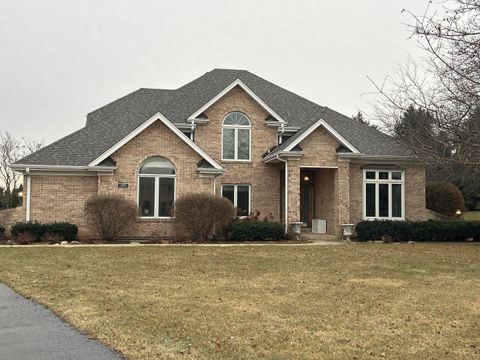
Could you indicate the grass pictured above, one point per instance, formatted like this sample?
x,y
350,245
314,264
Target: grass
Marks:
x,y
359,301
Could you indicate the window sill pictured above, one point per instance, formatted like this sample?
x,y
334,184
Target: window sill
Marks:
x,y
155,219
236,161
384,218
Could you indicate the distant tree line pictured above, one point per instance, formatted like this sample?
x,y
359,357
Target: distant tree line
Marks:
x,y
11,150
433,105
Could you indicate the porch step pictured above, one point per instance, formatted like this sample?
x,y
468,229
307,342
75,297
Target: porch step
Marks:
x,y
309,236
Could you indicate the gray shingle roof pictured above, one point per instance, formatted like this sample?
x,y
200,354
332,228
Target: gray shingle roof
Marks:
x,y
109,124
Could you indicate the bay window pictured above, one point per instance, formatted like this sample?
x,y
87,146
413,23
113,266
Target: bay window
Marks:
x,y
383,194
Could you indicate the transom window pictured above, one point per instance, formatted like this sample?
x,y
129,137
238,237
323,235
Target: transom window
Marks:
x,y
236,137
239,195
156,188
383,194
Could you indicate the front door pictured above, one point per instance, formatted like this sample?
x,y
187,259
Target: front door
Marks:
x,y
307,197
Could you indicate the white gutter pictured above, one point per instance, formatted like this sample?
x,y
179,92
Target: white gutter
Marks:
x,y
27,202
28,167
286,193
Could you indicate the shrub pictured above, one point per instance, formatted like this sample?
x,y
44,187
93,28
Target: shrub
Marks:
x,y
253,230
444,198
36,230
432,230
24,238
197,214
2,232
109,215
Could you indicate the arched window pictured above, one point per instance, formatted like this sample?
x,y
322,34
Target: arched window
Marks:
x,y
156,188
236,137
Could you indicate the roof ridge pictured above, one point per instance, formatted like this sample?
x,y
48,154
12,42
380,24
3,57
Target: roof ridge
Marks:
x,y
284,89
111,102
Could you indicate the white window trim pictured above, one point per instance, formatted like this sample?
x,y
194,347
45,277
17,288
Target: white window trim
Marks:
x,y
156,199
235,140
377,182
235,194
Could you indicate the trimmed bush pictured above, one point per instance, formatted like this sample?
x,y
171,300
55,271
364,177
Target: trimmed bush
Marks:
x,y
254,230
2,232
109,215
37,231
445,198
432,230
197,214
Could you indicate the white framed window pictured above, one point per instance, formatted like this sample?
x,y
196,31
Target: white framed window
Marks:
x,y
383,194
156,188
240,197
236,137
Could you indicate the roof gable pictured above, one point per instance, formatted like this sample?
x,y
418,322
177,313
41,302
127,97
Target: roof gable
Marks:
x,y
157,117
225,91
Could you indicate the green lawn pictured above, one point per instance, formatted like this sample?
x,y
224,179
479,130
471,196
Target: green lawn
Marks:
x,y
355,301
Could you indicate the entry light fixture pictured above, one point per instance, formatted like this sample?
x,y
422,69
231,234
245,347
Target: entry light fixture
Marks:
x,y
306,178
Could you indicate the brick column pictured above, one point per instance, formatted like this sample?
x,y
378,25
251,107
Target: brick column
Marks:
x,y
342,194
293,191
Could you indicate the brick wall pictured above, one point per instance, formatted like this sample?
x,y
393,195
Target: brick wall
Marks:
x,y
61,198
263,178
157,140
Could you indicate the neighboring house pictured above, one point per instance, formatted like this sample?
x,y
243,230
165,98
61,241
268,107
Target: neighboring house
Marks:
x,y
233,134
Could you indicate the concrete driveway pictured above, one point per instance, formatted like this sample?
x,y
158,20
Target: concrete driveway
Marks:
x,y
29,331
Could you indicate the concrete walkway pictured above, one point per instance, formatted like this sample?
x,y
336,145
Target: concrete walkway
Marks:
x,y
310,243
28,331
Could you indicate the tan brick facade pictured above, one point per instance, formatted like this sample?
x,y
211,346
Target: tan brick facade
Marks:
x,y
339,184
263,178
61,198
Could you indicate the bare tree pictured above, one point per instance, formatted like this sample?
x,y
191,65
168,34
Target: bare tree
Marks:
x,y
443,90
11,150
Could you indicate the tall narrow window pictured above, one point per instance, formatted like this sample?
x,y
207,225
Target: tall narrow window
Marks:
x,y
236,137
383,194
239,195
156,188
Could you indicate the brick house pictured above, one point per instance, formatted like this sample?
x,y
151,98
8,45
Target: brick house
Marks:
x,y
233,134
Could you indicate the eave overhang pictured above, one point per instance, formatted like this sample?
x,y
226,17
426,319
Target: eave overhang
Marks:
x,y
29,168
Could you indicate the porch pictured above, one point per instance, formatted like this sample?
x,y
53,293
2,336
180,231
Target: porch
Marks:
x,y
317,197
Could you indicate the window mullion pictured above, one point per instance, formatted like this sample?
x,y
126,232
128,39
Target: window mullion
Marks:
x,y
390,202
235,195
156,193
377,200
236,144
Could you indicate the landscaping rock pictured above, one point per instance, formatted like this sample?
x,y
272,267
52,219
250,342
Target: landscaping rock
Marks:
x,y
74,242
412,242
64,242
10,242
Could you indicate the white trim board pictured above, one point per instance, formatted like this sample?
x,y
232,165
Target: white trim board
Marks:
x,y
318,166
145,125
240,83
330,129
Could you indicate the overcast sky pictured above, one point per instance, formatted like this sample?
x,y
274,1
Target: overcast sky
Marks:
x,y
61,59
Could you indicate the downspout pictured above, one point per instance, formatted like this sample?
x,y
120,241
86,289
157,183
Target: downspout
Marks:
x,y
214,194
192,130
282,127
27,202
286,192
